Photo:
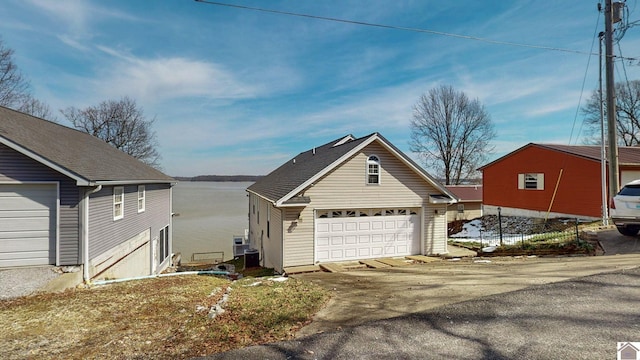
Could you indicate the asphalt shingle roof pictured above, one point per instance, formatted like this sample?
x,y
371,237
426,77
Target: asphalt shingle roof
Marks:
x,y
77,152
301,168
304,166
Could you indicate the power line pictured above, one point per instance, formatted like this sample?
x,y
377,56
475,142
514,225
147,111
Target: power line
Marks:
x,y
584,79
402,28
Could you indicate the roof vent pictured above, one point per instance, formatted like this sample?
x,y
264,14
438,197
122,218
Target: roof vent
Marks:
x,y
314,151
294,161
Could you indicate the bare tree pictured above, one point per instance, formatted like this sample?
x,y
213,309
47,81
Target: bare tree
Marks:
x,y
451,133
627,114
15,91
14,88
120,123
37,108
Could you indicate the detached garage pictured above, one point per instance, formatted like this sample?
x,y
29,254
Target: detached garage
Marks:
x,y
349,199
28,224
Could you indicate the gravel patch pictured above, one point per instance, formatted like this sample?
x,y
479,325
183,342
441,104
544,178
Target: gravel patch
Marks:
x,y
24,281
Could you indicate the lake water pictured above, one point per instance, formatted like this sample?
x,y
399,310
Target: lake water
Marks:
x,y
210,213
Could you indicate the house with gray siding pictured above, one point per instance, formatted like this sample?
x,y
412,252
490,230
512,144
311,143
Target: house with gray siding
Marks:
x,y
70,199
349,199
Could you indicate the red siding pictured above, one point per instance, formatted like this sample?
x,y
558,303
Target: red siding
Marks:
x,y
579,190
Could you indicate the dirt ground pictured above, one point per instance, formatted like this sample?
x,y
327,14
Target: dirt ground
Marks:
x,y
372,294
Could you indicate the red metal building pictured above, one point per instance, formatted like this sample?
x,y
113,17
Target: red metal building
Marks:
x,y
542,180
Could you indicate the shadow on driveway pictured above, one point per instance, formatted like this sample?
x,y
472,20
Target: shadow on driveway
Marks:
x,y
615,243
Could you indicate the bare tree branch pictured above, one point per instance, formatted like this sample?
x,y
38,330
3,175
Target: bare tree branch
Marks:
x,y
627,115
451,133
120,123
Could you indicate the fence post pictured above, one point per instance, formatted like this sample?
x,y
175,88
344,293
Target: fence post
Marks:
x,y
500,223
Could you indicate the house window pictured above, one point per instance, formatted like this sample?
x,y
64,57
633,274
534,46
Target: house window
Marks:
x,y
460,208
373,170
269,221
118,202
531,181
141,198
164,243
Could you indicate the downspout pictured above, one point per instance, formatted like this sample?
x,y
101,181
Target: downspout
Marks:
x,y
85,233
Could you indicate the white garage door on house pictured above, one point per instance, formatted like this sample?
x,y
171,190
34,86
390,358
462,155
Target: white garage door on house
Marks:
x,y
27,224
343,235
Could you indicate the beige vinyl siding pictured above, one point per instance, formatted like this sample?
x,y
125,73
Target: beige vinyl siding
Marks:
x,y
269,243
435,229
346,188
472,210
272,254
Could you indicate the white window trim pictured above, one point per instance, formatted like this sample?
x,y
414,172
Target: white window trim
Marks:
x,y
143,198
379,174
539,181
121,202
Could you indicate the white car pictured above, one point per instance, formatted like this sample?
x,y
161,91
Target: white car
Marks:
x,y
624,209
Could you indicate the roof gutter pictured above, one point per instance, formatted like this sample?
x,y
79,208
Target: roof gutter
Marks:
x,y
131,182
275,204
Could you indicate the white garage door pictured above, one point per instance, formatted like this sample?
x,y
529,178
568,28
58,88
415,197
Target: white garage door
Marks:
x,y
363,234
27,224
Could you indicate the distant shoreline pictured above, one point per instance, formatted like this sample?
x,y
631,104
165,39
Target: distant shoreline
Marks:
x,y
220,178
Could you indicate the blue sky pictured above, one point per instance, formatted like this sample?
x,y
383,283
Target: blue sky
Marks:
x,y
239,92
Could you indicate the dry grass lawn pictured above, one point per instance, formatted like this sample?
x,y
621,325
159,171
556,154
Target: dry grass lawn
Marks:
x,y
161,318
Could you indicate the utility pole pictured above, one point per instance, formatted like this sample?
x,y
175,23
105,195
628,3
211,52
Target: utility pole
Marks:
x,y
603,143
614,182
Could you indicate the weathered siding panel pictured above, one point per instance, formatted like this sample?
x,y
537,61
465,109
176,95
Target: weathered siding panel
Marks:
x,y
106,233
15,167
346,188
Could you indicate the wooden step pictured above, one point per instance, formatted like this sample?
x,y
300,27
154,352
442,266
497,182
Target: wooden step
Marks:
x,y
290,270
332,267
374,264
392,262
422,258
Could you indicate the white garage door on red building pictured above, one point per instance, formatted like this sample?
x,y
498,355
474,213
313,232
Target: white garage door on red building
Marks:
x,y
343,235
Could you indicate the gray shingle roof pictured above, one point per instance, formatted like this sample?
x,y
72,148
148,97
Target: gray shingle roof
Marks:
x,y
303,167
83,156
627,155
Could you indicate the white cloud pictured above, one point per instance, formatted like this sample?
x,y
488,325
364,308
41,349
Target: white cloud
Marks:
x,y
165,78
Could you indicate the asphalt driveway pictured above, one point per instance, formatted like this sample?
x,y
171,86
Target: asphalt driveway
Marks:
x,y
500,308
582,318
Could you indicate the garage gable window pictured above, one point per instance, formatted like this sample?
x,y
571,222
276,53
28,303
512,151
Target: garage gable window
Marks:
x,y
373,170
531,181
141,198
118,202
